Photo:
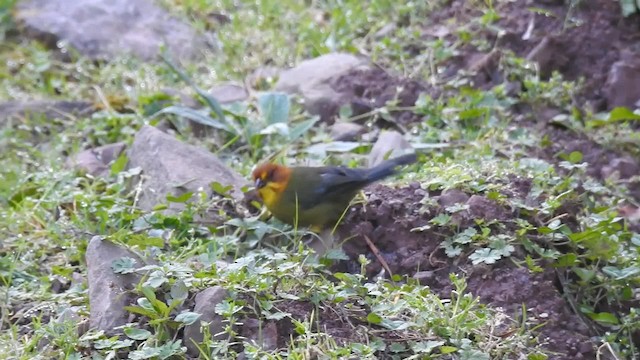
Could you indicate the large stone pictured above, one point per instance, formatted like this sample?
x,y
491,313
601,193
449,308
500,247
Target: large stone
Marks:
x,y
346,131
229,93
261,334
312,80
206,302
172,167
109,292
96,162
623,84
621,168
48,109
549,55
390,144
452,197
101,29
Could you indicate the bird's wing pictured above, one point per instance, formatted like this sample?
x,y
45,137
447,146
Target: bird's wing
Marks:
x,y
336,183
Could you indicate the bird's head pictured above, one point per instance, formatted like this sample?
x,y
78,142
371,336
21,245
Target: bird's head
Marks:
x,y
270,181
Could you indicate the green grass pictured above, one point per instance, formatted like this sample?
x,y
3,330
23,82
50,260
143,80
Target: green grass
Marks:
x,y
48,212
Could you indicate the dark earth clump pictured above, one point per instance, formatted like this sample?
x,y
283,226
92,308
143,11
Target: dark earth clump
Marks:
x,y
388,220
581,41
374,88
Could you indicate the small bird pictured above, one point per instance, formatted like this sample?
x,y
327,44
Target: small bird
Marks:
x,y
316,197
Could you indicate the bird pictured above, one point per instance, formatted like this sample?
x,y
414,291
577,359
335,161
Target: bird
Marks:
x,y
317,197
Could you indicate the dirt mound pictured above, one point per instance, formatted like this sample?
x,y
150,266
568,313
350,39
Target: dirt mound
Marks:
x,y
581,41
587,40
395,221
375,88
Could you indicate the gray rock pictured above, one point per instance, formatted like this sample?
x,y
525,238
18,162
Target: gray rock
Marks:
x,y
71,315
206,302
452,197
549,55
346,131
170,166
109,292
312,80
96,161
482,208
49,109
101,29
424,277
622,168
261,334
390,144
623,83
229,93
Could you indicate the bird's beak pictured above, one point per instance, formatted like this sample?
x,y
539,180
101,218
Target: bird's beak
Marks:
x,y
260,183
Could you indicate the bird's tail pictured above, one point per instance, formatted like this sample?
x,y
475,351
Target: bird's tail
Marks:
x,y
388,167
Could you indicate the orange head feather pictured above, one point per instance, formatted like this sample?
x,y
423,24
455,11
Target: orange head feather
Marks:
x,y
271,180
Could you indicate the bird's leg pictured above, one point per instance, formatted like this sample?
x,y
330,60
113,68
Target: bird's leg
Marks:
x,y
323,241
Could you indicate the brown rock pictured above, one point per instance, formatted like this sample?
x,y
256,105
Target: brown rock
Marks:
x,y
390,144
346,131
206,302
312,80
452,197
623,84
109,292
549,55
481,207
95,162
170,166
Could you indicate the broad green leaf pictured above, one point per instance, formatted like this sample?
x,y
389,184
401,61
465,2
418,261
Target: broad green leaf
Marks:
x,y
448,349
621,114
137,334
274,107
585,275
119,164
537,356
336,254
280,128
181,198
141,311
144,241
124,265
144,353
199,116
575,157
397,347
156,279
620,274
604,318
374,318
484,255
396,324
187,317
426,346
277,316
221,189
566,260
179,290
302,128
472,113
